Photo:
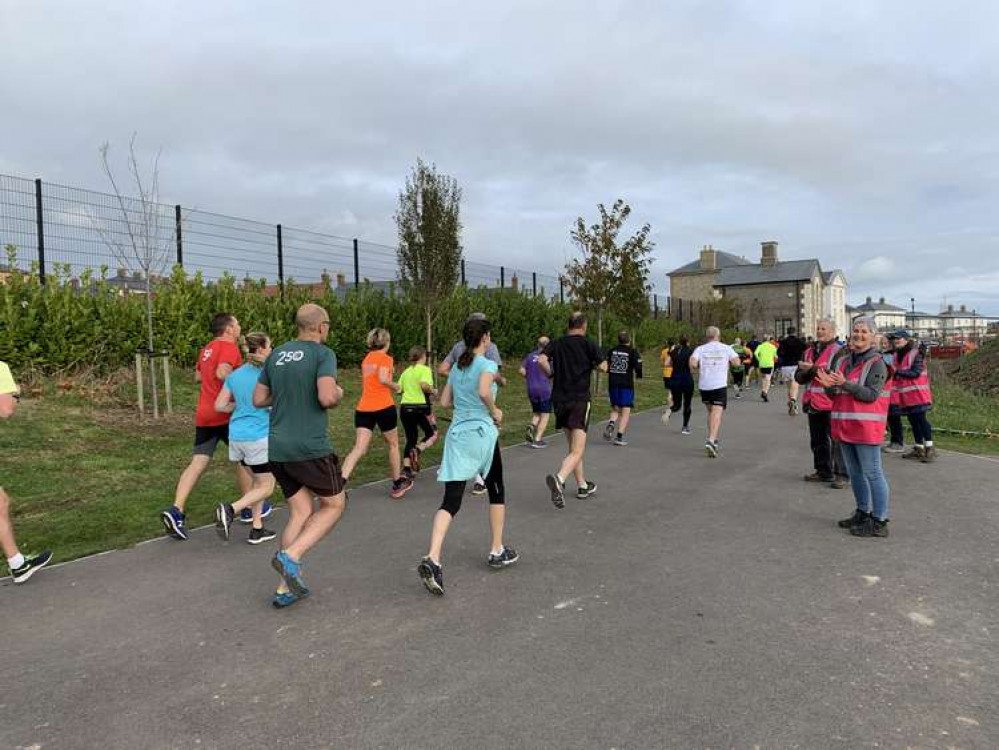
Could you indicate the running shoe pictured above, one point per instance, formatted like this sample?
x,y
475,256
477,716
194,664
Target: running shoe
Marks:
x,y
224,515
584,492
432,576
916,452
816,477
400,487
284,599
879,528
539,444
290,571
711,448
507,557
610,431
529,434
766,399
857,518
173,522
258,536
840,482
557,488
667,413
894,448
792,408
622,441
408,472
864,528
414,460
31,566
738,393
929,455
478,488
246,515
685,431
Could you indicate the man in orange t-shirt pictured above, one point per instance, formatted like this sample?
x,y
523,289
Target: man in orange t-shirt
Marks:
x,y
215,363
377,409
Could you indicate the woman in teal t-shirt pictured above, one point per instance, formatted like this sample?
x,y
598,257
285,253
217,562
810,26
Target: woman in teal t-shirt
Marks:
x,y
471,447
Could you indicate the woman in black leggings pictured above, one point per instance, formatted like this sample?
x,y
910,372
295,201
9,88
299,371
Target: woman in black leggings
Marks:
x,y
682,382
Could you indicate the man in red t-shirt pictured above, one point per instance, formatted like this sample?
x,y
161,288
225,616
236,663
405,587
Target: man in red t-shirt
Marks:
x,y
215,363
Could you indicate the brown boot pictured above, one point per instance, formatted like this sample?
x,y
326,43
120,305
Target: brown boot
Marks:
x,y
917,452
929,455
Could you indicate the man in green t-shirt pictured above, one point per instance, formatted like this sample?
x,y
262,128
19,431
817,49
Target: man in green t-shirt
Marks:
x,y
765,355
739,370
21,567
299,383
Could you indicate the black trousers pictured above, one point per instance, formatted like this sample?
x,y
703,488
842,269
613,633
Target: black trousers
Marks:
x,y
415,418
895,432
921,429
826,455
454,491
683,396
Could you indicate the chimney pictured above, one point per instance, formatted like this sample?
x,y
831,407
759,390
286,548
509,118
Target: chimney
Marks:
x,y
964,308
881,301
709,258
950,308
868,300
768,259
341,280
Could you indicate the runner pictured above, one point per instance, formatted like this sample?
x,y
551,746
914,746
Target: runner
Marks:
x,y
493,355
913,394
299,383
21,567
739,370
765,354
624,363
471,447
248,428
377,409
860,395
827,458
712,361
790,352
570,361
753,368
682,382
667,366
216,362
415,409
539,393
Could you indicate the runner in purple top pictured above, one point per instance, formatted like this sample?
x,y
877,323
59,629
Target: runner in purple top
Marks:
x,y
539,391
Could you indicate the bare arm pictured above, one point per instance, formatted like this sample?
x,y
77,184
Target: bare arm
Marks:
x,y
8,405
447,397
385,378
329,391
261,396
224,370
486,394
523,371
224,402
545,364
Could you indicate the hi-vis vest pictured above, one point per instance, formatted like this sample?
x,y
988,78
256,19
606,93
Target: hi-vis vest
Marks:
x,y
815,396
916,391
855,421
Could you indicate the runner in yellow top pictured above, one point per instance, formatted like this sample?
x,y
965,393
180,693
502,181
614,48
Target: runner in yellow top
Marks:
x,y
766,355
667,365
417,383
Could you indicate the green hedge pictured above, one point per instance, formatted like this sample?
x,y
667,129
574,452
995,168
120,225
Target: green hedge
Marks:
x,y
68,324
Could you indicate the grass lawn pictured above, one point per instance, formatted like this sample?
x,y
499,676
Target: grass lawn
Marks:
x,y
86,474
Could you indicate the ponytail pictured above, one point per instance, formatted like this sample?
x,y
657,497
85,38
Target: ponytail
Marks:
x,y
253,344
472,334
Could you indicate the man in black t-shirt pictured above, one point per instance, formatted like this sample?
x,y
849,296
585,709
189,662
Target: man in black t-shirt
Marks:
x,y
570,361
790,352
623,364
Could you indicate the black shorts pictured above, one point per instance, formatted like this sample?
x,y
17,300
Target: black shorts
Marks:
x,y
716,397
206,439
573,415
385,420
766,370
258,468
321,476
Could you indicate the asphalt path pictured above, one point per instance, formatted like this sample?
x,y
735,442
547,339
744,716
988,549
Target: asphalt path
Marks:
x,y
691,603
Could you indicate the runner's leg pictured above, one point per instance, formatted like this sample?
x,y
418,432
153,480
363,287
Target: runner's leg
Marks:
x,y
542,425
453,492
392,446
319,524
362,440
625,417
7,542
189,478
497,500
714,422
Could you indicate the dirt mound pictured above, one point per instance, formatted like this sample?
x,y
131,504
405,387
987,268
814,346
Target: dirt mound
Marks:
x,y
978,371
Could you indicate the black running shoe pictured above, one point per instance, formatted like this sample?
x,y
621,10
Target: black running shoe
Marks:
x,y
711,448
584,492
879,528
858,517
224,516
557,488
432,576
478,488
864,528
31,566
610,431
258,536
507,557
529,434
765,398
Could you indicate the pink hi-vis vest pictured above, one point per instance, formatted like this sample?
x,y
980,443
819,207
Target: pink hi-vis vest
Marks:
x,y
916,391
854,421
815,396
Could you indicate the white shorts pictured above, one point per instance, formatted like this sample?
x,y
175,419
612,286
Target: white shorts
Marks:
x,y
788,372
249,453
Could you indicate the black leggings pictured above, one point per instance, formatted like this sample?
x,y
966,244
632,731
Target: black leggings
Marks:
x,y
683,395
454,491
921,429
415,418
897,435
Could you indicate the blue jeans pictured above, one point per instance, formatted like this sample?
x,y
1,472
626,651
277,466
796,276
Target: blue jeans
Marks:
x,y
863,464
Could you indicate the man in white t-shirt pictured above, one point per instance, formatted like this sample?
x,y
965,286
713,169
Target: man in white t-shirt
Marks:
x,y
711,361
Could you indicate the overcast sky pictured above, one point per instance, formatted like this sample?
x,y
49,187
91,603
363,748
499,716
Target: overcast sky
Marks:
x,y
865,136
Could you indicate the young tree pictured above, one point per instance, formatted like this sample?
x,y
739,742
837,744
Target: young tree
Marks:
x,y
429,225
140,234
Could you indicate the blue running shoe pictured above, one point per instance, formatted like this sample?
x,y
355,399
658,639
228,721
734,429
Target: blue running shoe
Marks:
x,y
173,522
246,515
287,598
290,571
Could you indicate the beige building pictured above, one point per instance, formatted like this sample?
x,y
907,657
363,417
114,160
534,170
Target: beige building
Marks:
x,y
772,296
886,316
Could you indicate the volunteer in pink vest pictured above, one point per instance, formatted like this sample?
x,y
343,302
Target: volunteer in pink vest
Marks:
x,y
826,456
912,395
860,388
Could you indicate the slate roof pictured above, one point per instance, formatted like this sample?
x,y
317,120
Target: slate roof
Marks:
x,y
879,306
754,273
723,260
827,275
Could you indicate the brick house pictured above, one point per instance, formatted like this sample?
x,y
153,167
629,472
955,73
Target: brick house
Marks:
x,y
772,296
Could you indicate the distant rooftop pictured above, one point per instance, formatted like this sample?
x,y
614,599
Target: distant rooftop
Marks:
x,y
781,272
723,260
879,306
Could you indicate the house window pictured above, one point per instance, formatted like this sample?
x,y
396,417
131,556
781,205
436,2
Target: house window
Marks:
x,y
781,326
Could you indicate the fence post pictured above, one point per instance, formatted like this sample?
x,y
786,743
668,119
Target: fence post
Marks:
x,y
502,277
655,307
41,230
463,282
534,282
669,306
561,291
180,241
357,267
280,259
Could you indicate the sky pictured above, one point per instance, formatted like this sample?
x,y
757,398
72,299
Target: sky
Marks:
x,y
863,134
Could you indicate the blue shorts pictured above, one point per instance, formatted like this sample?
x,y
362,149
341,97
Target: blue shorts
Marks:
x,y
541,407
622,397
